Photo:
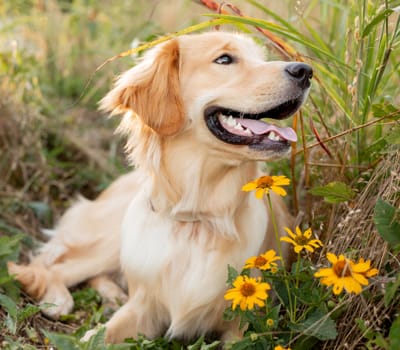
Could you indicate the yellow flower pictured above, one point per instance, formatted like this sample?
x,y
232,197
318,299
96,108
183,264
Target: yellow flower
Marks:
x,y
371,271
270,322
247,291
301,240
278,347
263,261
266,183
346,274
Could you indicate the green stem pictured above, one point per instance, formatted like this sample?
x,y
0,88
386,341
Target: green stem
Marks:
x,y
292,311
276,231
297,284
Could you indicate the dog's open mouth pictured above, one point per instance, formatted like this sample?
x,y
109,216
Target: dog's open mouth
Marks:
x,y
240,128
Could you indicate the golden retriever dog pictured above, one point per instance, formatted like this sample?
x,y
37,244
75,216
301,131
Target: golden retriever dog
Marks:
x,y
192,111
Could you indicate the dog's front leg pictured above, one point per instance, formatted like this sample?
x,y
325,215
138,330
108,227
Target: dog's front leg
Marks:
x,y
137,316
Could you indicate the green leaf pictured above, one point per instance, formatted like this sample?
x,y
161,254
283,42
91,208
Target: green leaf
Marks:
x,y
334,192
201,345
391,290
394,334
384,109
393,136
9,244
386,219
375,21
62,341
9,305
318,325
42,210
97,341
28,311
232,274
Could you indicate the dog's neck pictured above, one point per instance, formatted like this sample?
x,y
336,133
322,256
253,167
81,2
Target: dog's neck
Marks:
x,y
189,184
197,186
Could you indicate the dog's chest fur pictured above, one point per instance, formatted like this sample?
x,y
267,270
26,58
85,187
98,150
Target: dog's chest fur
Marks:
x,y
184,264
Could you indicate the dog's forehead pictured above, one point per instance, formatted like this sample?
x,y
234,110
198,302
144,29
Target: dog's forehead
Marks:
x,y
214,43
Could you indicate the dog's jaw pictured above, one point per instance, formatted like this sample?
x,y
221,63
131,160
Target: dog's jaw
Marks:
x,y
240,128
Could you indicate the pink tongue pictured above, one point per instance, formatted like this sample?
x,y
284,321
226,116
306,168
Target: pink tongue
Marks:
x,y
259,127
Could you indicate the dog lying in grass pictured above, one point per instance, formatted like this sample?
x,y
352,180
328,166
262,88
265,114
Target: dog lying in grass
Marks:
x,y
192,111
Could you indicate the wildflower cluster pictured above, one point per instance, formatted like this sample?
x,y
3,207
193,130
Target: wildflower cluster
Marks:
x,y
298,301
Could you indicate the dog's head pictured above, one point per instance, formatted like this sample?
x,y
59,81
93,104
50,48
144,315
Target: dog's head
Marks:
x,y
215,88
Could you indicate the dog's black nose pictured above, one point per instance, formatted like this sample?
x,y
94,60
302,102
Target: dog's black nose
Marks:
x,y
301,73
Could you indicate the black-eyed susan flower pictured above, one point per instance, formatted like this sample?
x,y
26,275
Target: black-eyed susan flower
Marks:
x,y
278,347
346,274
264,261
265,184
302,240
247,292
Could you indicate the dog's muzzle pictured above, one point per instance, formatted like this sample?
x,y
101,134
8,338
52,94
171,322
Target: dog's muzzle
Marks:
x,y
241,128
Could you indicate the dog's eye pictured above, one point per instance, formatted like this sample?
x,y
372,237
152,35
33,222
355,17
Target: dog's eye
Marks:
x,y
224,59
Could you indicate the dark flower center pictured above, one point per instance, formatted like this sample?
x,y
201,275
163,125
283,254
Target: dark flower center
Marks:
x,y
301,240
265,182
260,261
247,289
342,269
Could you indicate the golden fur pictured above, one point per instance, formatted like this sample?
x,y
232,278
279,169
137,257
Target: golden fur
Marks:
x,y
182,213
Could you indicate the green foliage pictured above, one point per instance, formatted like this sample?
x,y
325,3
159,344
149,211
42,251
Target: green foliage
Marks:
x,y
387,222
392,290
299,315
334,192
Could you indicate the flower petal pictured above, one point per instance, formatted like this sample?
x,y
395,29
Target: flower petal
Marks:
x,y
290,232
307,233
298,248
289,240
278,190
249,186
332,258
260,192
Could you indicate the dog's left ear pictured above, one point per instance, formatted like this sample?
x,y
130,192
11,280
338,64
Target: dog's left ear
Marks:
x,y
151,90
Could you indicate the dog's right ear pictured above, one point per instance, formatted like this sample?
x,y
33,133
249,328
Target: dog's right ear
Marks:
x,y
151,90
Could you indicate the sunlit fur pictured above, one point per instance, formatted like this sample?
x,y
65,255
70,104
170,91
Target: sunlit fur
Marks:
x,y
183,215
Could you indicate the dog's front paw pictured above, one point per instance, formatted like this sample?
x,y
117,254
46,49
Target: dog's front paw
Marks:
x,y
91,332
57,301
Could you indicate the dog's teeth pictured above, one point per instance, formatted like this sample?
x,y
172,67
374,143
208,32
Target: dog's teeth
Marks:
x,y
247,132
273,136
238,127
230,121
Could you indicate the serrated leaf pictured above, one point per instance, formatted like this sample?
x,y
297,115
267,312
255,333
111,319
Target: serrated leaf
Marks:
x,y
317,325
387,222
334,192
